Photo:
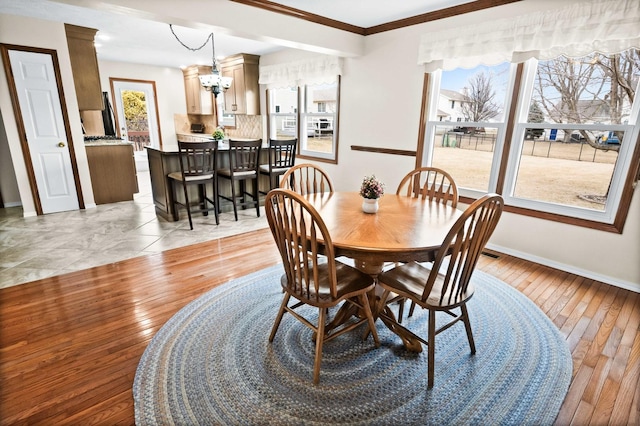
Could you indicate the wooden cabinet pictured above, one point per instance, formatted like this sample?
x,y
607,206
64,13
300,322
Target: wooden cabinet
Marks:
x,y
113,172
243,97
84,66
199,100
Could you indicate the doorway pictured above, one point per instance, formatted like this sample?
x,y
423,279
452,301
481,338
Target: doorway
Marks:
x,y
136,113
45,136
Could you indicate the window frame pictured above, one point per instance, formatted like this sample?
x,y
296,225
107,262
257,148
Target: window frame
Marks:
x,y
301,128
504,166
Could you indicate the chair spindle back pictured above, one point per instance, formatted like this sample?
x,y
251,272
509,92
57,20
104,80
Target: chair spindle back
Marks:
x,y
296,227
429,183
462,246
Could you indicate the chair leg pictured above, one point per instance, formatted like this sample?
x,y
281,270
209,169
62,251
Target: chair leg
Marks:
x,y
319,342
233,199
401,309
364,300
215,199
467,326
186,204
412,308
276,324
431,358
174,191
256,196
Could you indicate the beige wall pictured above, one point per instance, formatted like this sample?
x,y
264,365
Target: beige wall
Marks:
x,y
169,91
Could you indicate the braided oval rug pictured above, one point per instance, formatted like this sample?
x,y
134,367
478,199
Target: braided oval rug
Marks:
x,y
211,363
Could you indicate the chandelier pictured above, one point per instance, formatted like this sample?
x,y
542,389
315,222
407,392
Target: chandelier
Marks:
x,y
213,82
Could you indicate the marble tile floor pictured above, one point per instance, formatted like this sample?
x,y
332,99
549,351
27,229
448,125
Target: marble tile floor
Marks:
x,y
38,247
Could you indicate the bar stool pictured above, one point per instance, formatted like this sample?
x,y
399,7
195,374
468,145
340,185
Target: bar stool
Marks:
x,y
197,167
244,157
282,156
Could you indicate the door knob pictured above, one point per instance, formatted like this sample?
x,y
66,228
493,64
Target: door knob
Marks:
x,y
61,144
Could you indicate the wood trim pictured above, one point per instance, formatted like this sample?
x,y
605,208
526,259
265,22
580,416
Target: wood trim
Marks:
x,y
506,149
437,14
628,189
384,150
394,25
155,100
424,116
336,125
554,217
26,153
301,14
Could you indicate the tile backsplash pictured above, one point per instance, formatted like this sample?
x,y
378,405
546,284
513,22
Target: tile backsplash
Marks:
x,y
247,126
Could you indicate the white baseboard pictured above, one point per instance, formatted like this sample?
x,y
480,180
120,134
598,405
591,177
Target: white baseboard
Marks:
x,y
628,285
13,204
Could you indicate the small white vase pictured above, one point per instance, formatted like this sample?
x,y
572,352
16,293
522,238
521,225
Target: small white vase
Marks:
x,y
369,205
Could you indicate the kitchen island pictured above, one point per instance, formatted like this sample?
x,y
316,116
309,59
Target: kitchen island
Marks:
x,y
165,161
113,170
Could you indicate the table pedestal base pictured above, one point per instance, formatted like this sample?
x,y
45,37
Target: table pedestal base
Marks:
x,y
347,310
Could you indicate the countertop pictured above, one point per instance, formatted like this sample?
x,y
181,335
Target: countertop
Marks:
x,y
107,143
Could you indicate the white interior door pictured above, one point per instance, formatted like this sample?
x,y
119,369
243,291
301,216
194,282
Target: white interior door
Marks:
x,y
41,110
120,86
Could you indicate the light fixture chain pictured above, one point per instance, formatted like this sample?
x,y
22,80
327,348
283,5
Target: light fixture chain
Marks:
x,y
192,48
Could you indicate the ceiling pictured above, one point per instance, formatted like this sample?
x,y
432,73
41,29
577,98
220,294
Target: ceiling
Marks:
x,y
126,38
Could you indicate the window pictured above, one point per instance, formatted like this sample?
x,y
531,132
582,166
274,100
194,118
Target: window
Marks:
x,y
224,119
283,118
467,143
318,118
573,140
574,131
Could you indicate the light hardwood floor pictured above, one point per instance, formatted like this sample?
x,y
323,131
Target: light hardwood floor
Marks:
x,y
70,344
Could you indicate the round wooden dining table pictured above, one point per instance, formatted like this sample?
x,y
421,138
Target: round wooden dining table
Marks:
x,y
403,229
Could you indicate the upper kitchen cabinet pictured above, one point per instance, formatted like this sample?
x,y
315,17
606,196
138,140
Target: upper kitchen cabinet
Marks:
x,y
199,99
243,97
84,66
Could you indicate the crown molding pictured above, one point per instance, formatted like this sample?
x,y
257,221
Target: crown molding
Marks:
x,y
448,12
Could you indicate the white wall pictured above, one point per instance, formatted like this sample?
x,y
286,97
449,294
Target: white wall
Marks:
x,y
170,92
380,107
48,35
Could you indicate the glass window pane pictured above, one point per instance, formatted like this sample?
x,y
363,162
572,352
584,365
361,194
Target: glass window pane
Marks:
x,y
283,108
284,100
476,94
595,88
321,98
319,121
563,167
466,154
319,131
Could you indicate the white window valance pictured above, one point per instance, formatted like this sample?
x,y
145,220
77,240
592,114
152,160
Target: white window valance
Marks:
x,y
606,26
321,69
